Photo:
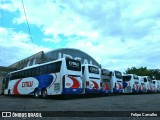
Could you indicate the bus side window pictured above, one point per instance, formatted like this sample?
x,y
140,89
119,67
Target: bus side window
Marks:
x,y
50,68
25,73
21,74
33,72
15,75
37,71
12,76
29,73
58,66
45,71
110,73
40,70
83,70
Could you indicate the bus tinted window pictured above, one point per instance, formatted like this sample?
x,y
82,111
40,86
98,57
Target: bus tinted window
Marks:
x,y
135,77
83,68
149,78
58,66
154,82
30,73
118,74
51,67
105,72
93,69
54,67
26,73
126,78
33,71
73,65
44,69
145,80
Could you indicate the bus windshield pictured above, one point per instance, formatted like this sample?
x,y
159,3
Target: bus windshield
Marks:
x,y
118,74
149,78
73,65
135,77
154,82
127,78
105,72
93,69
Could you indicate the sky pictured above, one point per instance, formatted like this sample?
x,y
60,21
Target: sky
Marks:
x,y
118,34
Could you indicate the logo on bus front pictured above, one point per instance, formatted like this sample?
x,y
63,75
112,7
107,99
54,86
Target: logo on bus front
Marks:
x,y
73,64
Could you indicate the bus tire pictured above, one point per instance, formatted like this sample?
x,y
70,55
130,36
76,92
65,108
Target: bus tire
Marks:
x,y
44,93
36,93
9,92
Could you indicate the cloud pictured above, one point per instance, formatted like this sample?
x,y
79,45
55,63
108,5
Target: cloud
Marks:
x,y
16,46
52,40
118,34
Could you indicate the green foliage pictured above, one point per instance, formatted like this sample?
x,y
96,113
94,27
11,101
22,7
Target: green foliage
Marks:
x,y
143,71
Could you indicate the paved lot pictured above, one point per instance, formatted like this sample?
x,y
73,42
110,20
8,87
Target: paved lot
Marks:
x,y
143,102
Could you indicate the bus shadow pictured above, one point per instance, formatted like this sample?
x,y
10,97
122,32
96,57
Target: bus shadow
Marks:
x,y
72,97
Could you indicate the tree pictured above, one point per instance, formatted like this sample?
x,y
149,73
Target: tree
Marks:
x,y
143,71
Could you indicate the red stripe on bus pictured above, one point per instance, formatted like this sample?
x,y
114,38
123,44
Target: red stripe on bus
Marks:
x,y
120,86
107,87
76,83
15,90
95,85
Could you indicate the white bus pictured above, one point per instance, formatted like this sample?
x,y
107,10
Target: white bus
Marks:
x,y
116,82
130,83
62,76
148,84
106,81
142,88
91,79
156,85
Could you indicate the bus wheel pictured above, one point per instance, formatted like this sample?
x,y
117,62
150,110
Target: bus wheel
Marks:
x,y
36,93
44,93
9,92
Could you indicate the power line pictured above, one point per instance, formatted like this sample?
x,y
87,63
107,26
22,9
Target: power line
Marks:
x,y
28,26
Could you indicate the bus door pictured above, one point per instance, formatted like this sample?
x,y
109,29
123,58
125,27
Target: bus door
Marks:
x,y
6,82
5,85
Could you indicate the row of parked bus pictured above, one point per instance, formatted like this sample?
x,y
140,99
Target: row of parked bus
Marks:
x,y
68,76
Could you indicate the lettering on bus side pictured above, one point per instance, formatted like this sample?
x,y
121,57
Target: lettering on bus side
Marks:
x,y
27,84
